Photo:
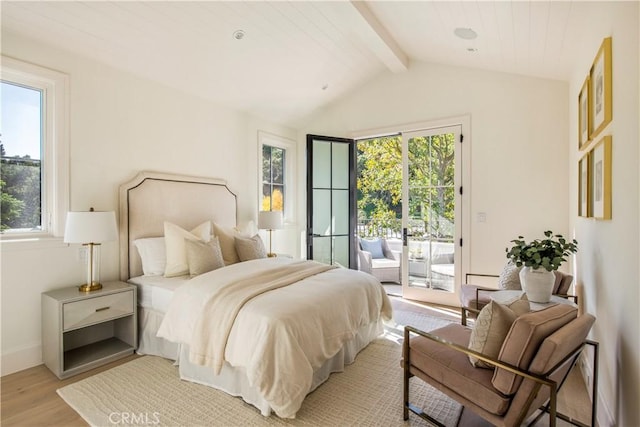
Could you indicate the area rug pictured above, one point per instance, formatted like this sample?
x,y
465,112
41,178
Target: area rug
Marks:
x,y
148,391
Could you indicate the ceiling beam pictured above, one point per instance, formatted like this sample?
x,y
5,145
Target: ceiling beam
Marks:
x,y
380,41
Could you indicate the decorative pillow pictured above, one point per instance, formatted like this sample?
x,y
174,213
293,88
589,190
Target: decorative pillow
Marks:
x,y
492,326
227,236
174,237
203,257
509,279
373,246
249,248
153,255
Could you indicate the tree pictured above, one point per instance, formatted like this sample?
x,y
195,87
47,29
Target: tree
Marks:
x,y
21,192
431,184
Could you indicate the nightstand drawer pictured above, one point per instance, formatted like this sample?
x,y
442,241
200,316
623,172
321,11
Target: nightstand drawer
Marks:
x,y
93,310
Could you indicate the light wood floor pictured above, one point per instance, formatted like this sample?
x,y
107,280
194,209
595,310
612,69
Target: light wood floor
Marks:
x,y
29,398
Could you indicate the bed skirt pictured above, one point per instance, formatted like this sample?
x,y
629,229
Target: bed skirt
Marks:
x,y
232,380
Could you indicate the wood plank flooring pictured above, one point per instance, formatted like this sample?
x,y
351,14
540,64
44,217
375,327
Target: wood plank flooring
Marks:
x,y
29,398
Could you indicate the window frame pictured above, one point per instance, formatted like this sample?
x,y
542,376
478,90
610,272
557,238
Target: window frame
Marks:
x,y
289,147
55,145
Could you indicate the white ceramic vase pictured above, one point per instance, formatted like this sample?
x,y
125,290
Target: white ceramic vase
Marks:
x,y
537,284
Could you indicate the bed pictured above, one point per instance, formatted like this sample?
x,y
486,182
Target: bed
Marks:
x,y
270,340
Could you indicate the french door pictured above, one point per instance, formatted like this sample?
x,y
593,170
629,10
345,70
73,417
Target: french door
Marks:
x,y
331,206
431,214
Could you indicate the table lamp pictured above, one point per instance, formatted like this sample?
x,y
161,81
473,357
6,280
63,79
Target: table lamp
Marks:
x,y
270,220
91,229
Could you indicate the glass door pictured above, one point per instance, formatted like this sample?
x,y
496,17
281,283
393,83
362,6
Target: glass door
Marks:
x,y
431,209
330,200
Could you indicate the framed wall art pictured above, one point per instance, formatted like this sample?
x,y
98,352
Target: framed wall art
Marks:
x,y
584,124
584,187
600,84
600,161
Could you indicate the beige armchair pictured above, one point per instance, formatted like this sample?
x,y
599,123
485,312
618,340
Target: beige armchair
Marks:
x,y
473,297
540,349
376,258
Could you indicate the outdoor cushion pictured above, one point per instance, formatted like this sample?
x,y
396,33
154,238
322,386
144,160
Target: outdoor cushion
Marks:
x,y
374,247
452,369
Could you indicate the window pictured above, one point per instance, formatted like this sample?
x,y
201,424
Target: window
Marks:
x,y
273,164
277,165
34,150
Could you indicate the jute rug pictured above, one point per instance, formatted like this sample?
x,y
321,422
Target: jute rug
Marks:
x,y
148,391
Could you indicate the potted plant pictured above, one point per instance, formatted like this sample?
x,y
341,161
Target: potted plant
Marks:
x,y
540,258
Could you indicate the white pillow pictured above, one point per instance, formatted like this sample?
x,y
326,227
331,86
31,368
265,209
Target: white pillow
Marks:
x,y
174,236
153,255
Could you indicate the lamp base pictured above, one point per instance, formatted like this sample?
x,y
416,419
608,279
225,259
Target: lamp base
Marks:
x,y
271,255
90,287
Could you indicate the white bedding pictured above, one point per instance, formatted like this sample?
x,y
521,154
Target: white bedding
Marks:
x,y
155,292
280,337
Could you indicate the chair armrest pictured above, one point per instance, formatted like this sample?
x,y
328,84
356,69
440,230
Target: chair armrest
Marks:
x,y
397,255
364,261
487,359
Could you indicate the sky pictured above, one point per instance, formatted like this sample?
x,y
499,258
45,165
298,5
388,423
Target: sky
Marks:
x,y
20,120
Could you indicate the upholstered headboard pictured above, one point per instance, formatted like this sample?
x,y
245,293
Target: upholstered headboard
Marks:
x,y
151,198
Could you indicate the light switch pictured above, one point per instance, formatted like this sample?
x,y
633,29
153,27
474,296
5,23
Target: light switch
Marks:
x,y
481,216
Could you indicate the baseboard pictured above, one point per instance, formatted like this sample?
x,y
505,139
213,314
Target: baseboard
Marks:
x,y
21,359
604,415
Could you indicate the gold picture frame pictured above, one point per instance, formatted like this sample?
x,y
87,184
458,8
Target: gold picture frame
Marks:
x,y
600,161
584,186
600,90
584,124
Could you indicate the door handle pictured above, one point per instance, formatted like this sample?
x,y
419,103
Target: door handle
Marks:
x,y
404,237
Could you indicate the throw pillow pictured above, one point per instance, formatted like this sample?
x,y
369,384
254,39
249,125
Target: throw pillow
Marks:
x,y
374,247
227,236
153,255
250,248
203,257
174,237
492,326
509,279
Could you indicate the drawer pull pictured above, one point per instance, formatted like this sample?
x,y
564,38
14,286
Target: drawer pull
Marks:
x,y
102,309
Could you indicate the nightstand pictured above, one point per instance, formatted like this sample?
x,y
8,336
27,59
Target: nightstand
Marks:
x,y
81,330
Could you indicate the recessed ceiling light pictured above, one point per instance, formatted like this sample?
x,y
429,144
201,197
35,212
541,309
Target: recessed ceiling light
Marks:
x,y
238,34
465,33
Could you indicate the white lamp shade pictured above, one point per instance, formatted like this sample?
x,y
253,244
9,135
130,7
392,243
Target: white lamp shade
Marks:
x,y
269,220
90,227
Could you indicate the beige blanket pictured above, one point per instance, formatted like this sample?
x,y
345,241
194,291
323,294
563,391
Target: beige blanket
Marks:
x,y
281,336
208,344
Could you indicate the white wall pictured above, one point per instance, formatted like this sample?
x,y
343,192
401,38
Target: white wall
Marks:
x,y
519,132
119,124
607,264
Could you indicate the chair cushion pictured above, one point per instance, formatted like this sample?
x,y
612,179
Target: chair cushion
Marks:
x,y
509,279
468,296
562,284
384,263
491,328
373,246
524,339
433,361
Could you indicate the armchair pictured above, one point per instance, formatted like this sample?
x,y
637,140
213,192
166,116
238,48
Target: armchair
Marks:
x,y
535,359
376,258
473,297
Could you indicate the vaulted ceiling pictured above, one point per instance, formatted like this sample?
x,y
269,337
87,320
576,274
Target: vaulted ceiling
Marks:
x,y
282,60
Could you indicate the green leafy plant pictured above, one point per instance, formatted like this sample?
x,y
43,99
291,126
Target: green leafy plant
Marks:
x,y
548,253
